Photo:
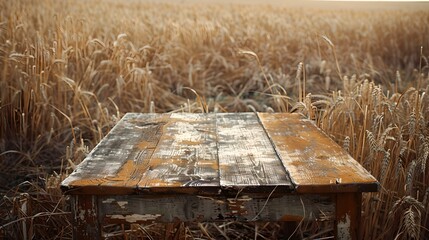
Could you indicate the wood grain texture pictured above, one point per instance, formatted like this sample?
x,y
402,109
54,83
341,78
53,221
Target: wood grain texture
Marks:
x,y
186,154
246,156
208,153
151,152
116,162
315,163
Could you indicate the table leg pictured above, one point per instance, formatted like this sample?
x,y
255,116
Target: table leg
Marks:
x,y
85,217
175,231
288,230
348,215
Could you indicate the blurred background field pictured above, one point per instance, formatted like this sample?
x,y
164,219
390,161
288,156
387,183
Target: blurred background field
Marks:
x,y
69,70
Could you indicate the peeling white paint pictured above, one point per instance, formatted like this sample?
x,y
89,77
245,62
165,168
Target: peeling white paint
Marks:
x,y
136,217
303,162
246,155
186,132
82,214
100,164
187,129
122,203
343,228
109,200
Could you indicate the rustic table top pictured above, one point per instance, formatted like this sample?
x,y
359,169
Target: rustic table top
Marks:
x,y
207,154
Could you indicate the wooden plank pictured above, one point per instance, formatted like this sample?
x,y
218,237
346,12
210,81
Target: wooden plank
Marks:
x,y
116,163
190,208
185,157
315,163
246,156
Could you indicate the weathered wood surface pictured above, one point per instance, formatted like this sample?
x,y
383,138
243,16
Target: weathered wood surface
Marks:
x,y
85,217
216,167
315,163
208,153
348,215
117,161
186,154
246,156
189,208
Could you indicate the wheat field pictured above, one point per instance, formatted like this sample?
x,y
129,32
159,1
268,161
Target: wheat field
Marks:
x,y
70,69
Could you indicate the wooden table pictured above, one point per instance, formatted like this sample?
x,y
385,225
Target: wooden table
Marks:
x,y
184,167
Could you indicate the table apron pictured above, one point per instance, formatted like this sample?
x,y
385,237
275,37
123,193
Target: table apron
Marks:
x,y
188,208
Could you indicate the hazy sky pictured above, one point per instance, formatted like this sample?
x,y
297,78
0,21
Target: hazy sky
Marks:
x,y
325,4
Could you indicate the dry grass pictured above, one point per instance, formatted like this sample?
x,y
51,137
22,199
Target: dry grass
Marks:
x,y
70,69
